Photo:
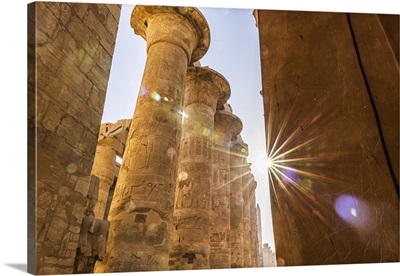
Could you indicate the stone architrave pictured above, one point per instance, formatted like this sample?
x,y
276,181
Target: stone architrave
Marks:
x,y
142,206
206,91
247,179
238,153
227,126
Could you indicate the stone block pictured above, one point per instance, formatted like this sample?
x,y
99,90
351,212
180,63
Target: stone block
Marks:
x,y
61,10
84,146
103,59
74,229
81,10
72,246
82,185
115,11
64,191
47,59
56,230
78,30
98,27
75,237
92,45
96,98
86,62
60,212
67,124
46,22
99,77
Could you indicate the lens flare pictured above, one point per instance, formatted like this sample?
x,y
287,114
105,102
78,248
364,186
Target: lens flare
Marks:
x,y
184,115
352,210
155,96
269,163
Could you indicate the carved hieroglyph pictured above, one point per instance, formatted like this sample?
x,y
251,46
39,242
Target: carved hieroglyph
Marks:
x,y
206,90
254,255
238,154
142,205
227,126
247,180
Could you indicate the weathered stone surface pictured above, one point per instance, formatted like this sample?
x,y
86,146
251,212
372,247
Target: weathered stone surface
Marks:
x,y
190,238
330,87
238,154
226,127
248,178
254,250
65,124
111,142
141,210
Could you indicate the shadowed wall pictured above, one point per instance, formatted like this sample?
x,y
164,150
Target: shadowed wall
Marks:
x,y
70,47
331,100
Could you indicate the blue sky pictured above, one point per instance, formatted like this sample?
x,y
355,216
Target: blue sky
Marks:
x,y
234,53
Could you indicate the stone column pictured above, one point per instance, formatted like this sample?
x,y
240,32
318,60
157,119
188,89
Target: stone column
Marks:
x,y
103,168
111,143
247,179
237,157
227,126
206,90
142,205
254,257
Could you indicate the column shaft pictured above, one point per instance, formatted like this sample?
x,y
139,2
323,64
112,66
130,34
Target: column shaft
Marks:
x,y
190,242
227,126
236,204
141,209
103,168
247,178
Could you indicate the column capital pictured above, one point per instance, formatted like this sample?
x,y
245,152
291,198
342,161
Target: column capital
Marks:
x,y
227,122
143,14
239,148
210,87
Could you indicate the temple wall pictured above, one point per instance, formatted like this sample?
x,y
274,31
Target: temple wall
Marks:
x,y
331,100
70,48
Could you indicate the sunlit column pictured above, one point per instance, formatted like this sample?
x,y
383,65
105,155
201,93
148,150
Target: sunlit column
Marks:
x,y
103,168
206,90
238,153
227,126
142,205
110,144
254,256
247,179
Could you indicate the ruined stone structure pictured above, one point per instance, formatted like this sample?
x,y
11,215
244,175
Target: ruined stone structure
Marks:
x,y
111,143
96,215
70,47
95,226
332,129
268,256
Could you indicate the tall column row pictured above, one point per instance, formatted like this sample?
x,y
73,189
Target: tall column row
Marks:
x,y
190,243
172,204
142,207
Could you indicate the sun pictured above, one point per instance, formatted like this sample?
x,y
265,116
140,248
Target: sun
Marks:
x,y
269,163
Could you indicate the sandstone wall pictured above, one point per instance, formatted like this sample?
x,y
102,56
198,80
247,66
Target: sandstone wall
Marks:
x,y
331,99
70,48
